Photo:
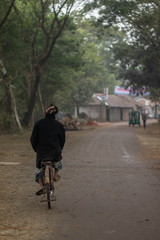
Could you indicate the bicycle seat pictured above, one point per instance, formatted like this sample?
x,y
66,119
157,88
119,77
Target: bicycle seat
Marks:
x,y
46,161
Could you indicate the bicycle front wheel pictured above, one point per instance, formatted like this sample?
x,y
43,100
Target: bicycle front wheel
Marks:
x,y
48,196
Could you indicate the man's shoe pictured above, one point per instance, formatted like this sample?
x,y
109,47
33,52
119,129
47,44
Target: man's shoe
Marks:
x,y
40,191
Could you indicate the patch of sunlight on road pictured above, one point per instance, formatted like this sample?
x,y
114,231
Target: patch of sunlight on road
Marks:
x,y
9,163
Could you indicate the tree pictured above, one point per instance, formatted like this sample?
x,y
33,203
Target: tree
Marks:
x,y
98,54
6,7
43,23
51,55
139,51
88,66
82,91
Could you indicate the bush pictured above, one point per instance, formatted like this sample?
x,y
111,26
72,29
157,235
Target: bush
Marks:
x,y
7,123
83,115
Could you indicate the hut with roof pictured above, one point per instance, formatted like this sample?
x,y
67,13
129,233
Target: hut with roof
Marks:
x,y
110,108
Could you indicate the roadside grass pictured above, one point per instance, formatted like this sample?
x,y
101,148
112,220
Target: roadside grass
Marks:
x,y
149,139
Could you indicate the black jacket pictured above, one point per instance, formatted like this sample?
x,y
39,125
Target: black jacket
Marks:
x,y
48,138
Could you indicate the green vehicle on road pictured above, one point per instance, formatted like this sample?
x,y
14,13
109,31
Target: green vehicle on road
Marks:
x,y
134,118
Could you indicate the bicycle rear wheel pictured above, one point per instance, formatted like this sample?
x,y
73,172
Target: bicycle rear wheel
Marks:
x,y
49,190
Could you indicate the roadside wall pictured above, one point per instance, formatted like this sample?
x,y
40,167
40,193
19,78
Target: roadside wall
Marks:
x,y
92,111
95,112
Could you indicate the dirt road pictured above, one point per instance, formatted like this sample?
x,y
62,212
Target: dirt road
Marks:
x,y
109,189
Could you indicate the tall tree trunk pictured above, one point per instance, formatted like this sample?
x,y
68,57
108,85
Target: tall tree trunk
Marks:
x,y
6,82
9,98
28,115
40,98
77,106
15,110
50,34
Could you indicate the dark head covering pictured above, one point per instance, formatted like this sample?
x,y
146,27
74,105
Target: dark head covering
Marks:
x,y
52,110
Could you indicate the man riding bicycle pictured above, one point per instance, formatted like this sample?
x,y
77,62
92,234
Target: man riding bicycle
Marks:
x,y
47,140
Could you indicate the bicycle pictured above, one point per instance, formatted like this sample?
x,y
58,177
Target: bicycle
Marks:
x,y
48,182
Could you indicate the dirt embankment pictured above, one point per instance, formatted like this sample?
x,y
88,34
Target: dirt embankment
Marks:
x,y
149,139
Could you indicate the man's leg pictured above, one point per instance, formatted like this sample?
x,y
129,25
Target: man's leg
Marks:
x,y
38,179
40,182
41,190
57,166
39,173
56,176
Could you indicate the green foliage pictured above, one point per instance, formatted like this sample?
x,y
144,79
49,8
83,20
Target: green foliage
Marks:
x,y
155,94
81,63
138,53
77,68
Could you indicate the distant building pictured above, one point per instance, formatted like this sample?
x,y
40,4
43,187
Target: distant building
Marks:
x,y
151,106
110,107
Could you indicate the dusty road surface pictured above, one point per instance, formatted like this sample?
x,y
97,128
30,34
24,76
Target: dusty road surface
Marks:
x,y
109,189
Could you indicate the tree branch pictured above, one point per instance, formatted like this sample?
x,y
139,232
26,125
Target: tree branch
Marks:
x,y
47,54
7,13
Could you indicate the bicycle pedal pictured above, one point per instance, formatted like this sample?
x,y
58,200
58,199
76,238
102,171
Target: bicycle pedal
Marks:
x,y
53,198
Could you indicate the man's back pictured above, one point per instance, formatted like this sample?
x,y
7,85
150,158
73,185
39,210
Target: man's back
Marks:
x,y
48,137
